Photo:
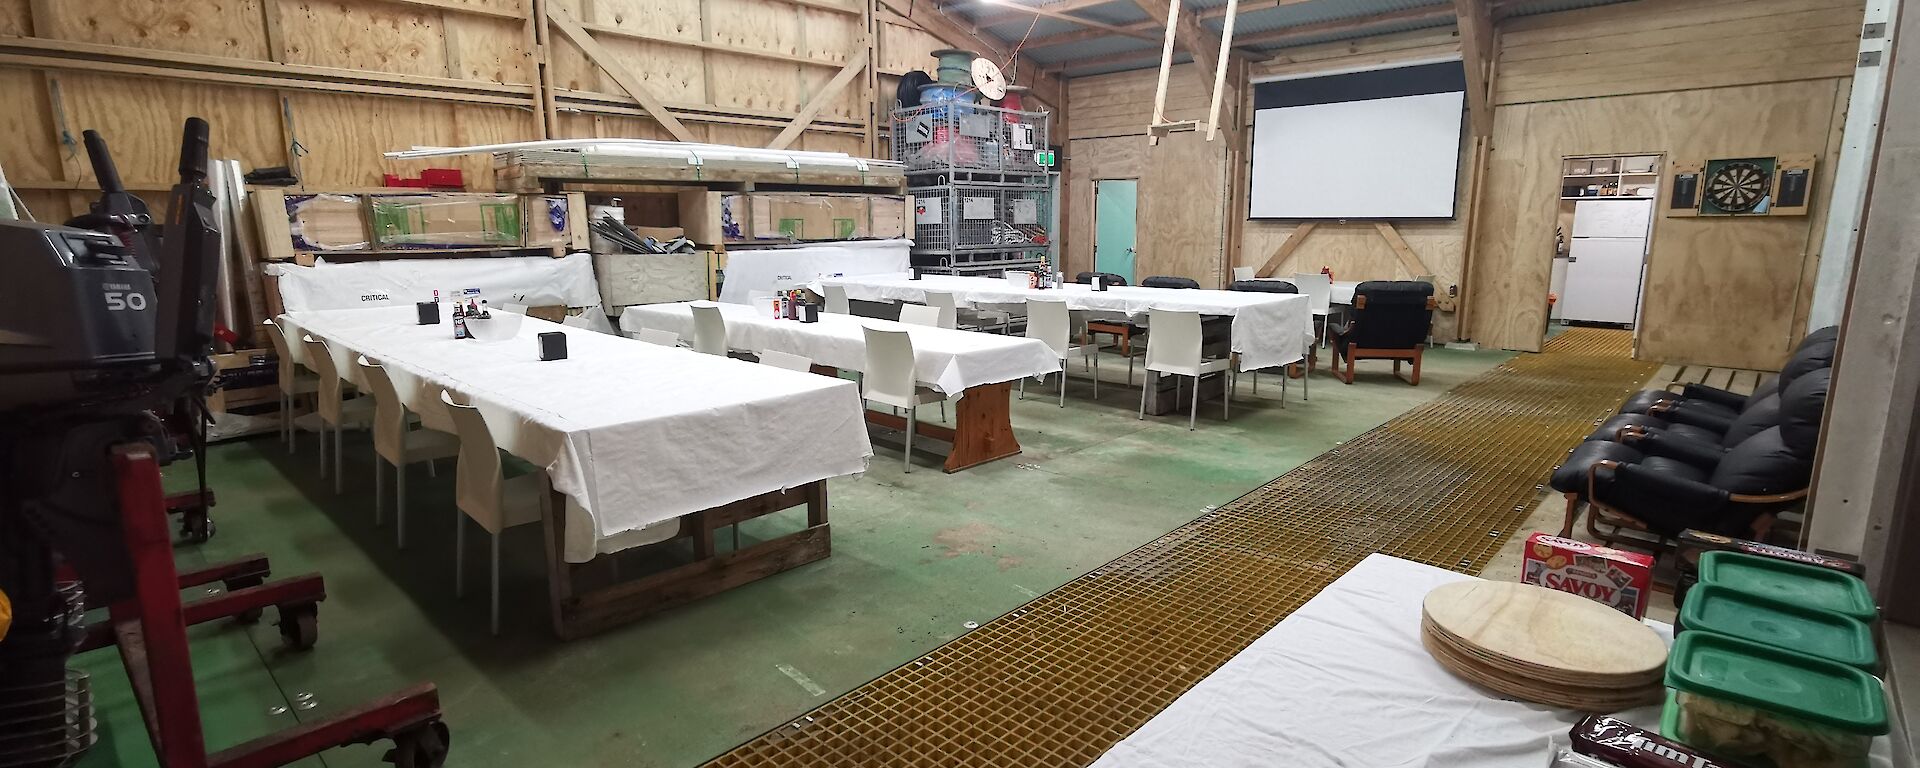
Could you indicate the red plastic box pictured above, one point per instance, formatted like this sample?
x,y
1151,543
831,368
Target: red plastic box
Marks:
x,y
1605,575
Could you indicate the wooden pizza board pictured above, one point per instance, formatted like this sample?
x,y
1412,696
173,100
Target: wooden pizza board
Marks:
x,y
1544,634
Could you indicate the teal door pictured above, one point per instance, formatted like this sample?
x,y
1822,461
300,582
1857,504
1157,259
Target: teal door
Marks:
x,y
1113,201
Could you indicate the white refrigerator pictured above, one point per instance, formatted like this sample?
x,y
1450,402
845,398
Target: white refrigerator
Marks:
x,y
1605,259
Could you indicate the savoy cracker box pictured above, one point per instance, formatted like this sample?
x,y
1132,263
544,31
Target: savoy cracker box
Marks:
x,y
1612,577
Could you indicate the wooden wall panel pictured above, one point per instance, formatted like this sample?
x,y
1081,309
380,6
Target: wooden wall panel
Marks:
x,y
679,19
209,27
365,34
30,151
753,83
1719,291
141,118
16,18
1121,104
1088,161
488,48
762,25
1181,209
1666,45
344,136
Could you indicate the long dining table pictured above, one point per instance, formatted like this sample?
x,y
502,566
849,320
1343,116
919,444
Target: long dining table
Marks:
x,y
1268,329
631,436
980,367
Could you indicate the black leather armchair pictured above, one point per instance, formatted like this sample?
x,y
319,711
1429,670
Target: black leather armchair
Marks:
x,y
1163,281
1391,320
1263,286
1663,484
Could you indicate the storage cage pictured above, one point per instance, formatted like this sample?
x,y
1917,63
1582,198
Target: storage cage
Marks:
x,y
961,217
960,139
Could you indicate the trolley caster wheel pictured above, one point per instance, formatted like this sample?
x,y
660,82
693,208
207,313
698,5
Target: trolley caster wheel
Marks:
x,y
196,527
299,626
422,746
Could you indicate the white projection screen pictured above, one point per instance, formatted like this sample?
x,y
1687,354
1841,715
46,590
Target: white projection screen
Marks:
x,y
1382,144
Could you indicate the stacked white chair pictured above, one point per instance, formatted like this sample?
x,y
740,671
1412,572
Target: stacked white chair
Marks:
x,y
890,379
395,442
334,411
1052,322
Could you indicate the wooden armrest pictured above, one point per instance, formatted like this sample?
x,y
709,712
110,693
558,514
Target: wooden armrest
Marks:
x,y
1432,303
1359,301
1774,498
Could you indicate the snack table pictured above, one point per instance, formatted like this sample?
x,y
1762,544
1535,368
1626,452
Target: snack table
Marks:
x,y
1344,681
980,365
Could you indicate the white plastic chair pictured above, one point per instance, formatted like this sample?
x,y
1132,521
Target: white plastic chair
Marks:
x,y
1051,322
296,378
780,359
396,443
890,379
1318,288
837,303
660,337
593,319
1173,347
334,412
949,310
709,330
921,314
1243,273
482,493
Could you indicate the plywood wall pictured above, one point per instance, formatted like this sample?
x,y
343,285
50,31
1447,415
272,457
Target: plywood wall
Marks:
x,y
1719,291
1182,213
326,86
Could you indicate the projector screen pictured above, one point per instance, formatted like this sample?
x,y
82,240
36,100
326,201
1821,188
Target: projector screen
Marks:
x,y
1383,144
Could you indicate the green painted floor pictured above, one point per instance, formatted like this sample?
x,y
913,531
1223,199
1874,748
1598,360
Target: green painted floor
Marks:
x,y
916,557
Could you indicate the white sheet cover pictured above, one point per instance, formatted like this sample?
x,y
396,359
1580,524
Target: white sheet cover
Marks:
x,y
530,281
1342,292
1269,329
632,433
1344,681
949,360
752,270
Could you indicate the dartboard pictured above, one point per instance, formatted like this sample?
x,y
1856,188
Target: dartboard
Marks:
x,y
1737,187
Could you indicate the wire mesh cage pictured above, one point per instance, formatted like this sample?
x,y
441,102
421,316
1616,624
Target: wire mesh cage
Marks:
x,y
958,138
980,263
960,217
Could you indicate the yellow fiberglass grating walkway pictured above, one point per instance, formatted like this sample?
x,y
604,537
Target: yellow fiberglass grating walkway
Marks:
x,y
1058,681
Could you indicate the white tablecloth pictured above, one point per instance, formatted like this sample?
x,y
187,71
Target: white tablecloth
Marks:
x,y
1342,292
1344,681
1268,329
631,432
950,361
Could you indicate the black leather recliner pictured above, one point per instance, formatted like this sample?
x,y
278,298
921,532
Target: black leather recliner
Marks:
x,y
1711,409
1665,483
1164,281
1391,320
1263,286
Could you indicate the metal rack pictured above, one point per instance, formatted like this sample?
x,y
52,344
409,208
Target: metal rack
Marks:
x,y
984,199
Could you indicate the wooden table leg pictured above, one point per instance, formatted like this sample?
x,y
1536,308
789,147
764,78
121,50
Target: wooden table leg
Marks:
x,y
982,431
553,521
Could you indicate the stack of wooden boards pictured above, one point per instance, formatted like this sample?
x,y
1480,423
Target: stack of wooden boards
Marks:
x,y
1543,645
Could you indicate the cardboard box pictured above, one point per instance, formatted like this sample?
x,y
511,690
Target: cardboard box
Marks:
x,y
548,221
1603,165
244,377
627,279
1612,577
661,234
447,219
327,222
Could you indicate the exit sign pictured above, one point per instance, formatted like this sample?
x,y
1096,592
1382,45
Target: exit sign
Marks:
x,y
1044,158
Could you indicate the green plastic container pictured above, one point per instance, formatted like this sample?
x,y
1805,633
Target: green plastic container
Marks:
x,y
1762,619
1756,702
1804,585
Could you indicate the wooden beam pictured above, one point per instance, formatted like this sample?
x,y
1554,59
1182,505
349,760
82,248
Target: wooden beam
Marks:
x,y
604,60
1409,259
1126,31
856,63
1018,11
1284,35
1286,249
1166,68
1220,73
1476,55
1184,30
